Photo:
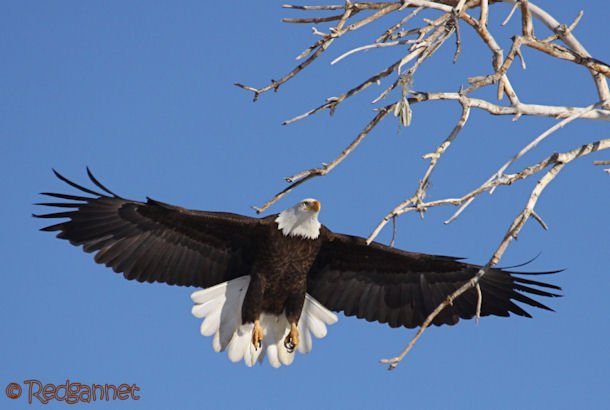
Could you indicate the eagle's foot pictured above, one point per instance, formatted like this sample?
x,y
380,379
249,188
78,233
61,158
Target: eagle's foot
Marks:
x,y
292,339
257,335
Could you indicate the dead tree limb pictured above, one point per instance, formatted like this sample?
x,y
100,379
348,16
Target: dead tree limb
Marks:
x,y
418,42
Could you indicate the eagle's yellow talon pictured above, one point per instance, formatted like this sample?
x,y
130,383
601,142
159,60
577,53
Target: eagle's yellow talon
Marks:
x,y
257,335
292,339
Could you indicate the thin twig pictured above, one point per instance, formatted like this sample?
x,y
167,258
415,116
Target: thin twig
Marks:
x,y
544,135
440,150
477,314
458,39
301,177
388,33
603,163
564,53
540,221
563,30
369,47
510,15
319,46
331,7
332,102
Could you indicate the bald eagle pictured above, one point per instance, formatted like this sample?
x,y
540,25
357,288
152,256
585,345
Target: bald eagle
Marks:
x,y
270,284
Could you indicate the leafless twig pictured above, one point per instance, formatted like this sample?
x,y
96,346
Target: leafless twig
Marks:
x,y
301,177
594,163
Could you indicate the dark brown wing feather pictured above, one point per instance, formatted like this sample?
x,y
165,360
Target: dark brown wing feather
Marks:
x,y
157,242
384,284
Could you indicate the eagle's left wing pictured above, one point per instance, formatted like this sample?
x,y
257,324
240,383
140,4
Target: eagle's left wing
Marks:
x,y
388,285
156,242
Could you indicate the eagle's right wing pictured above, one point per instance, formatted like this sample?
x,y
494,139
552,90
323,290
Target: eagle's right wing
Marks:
x,y
157,242
388,285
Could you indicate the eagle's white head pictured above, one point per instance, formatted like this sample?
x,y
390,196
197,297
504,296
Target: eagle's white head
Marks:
x,y
301,219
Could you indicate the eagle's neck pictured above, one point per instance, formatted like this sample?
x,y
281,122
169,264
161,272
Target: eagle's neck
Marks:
x,y
295,222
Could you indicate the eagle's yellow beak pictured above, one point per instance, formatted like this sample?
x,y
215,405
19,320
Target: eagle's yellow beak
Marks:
x,y
314,206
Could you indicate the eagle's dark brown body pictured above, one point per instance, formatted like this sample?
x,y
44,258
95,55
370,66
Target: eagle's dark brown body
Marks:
x,y
279,275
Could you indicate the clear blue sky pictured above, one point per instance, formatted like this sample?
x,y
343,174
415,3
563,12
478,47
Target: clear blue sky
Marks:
x,y
142,93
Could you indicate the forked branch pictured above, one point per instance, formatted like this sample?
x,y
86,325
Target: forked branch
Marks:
x,y
556,162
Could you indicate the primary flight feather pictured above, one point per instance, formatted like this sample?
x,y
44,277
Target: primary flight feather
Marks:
x,y
270,284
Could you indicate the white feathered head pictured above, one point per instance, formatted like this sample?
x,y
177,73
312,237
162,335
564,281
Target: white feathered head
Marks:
x,y
301,219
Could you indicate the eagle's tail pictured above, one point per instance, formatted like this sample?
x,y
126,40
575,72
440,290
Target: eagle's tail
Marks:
x,y
220,307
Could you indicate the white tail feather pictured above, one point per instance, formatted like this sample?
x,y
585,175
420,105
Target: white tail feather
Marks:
x,y
220,309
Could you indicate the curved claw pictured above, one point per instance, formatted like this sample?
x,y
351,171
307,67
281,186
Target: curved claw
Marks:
x,y
292,339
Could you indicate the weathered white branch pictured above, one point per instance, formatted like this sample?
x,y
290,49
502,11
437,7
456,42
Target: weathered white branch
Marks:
x,y
500,172
571,41
557,163
435,156
537,110
411,204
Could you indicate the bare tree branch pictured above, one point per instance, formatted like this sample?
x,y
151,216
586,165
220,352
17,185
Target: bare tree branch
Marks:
x,y
557,162
304,176
570,40
418,42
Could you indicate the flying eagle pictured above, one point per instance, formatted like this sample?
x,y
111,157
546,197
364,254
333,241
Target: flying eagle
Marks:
x,y
269,284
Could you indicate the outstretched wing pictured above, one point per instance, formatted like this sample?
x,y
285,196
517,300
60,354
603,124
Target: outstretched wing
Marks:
x,y
156,242
384,284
